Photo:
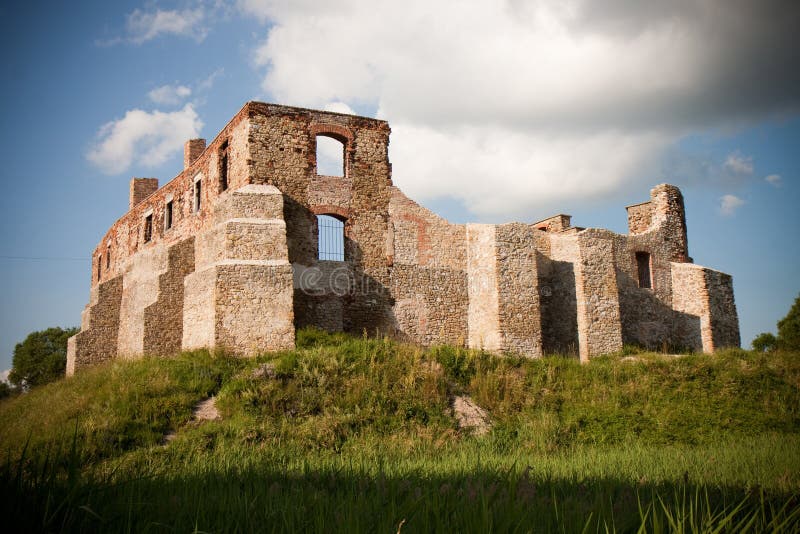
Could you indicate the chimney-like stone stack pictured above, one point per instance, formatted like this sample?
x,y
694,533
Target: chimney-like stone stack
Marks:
x,y
141,188
192,150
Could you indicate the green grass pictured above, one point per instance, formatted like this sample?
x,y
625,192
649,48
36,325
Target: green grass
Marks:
x,y
356,435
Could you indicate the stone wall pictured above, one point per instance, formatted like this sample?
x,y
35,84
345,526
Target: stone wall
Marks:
x,y
163,320
237,266
559,305
519,311
484,302
97,340
704,308
283,152
597,295
428,281
722,307
240,296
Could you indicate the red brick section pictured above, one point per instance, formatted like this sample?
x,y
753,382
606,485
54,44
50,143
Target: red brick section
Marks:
x,y
329,209
140,189
192,150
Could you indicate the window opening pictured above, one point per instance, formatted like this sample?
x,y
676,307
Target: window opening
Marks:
x,y
168,216
331,238
99,266
330,156
108,257
643,266
197,195
148,228
223,167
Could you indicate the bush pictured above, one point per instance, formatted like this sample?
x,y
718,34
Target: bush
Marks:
x,y
41,358
789,328
765,342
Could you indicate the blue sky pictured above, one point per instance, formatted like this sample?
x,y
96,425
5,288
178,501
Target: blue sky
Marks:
x,y
500,111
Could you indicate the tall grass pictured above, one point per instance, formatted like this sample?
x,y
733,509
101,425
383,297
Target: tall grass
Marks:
x,y
357,435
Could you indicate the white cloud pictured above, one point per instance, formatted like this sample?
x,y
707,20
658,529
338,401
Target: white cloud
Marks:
x,y
774,179
728,204
501,171
4,375
738,164
330,156
169,94
142,26
339,107
144,138
511,105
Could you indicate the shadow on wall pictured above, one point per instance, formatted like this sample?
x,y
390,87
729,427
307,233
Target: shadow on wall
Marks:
x,y
649,323
559,307
337,296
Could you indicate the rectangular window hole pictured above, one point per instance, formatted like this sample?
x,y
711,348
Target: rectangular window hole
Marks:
x,y
168,216
197,195
148,228
643,268
223,167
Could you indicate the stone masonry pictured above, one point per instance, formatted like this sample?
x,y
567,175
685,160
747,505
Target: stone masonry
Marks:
x,y
226,255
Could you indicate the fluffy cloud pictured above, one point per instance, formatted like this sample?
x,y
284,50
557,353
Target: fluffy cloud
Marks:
x,y
509,106
142,26
728,204
169,94
146,138
339,107
774,179
739,165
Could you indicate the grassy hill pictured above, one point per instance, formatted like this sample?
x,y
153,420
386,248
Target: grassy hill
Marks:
x,y
358,435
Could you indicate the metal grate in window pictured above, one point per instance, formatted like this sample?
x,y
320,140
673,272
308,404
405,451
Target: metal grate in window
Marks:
x,y
331,238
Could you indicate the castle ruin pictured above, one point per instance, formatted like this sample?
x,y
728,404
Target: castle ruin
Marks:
x,y
249,243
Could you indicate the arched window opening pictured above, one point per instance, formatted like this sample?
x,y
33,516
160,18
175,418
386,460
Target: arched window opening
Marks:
x,y
330,156
331,238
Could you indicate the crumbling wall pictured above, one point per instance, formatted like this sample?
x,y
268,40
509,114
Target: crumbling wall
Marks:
x,y
559,306
240,270
140,282
658,228
163,320
705,316
484,304
240,296
597,295
283,154
428,274
97,340
519,309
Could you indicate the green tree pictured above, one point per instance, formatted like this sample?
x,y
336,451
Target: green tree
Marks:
x,y
789,328
41,358
765,342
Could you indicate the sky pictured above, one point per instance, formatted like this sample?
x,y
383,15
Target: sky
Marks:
x,y
500,111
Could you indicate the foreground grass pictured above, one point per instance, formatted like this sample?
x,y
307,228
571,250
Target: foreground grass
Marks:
x,y
356,435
